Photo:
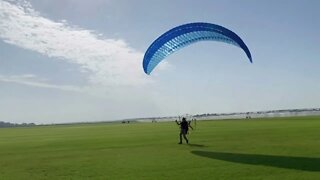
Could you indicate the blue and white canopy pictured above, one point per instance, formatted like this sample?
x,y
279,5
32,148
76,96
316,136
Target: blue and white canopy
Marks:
x,y
185,35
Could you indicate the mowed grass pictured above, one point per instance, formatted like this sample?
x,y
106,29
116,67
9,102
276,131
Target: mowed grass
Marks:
x,y
272,148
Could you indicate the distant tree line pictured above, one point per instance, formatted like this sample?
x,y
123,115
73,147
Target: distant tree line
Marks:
x,y
258,112
7,124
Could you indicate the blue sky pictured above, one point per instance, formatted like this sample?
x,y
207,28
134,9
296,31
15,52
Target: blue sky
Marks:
x,y
70,60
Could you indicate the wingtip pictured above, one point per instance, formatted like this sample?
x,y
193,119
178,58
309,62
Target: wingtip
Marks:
x,y
250,60
147,73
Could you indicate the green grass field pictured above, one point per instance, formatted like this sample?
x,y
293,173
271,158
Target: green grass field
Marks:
x,y
273,148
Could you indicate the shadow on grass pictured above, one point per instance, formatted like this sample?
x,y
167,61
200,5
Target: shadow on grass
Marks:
x,y
288,162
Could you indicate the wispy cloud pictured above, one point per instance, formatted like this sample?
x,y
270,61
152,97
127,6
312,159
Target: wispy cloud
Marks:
x,y
111,62
33,80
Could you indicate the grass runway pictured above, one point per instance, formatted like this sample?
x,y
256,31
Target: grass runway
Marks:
x,y
271,148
